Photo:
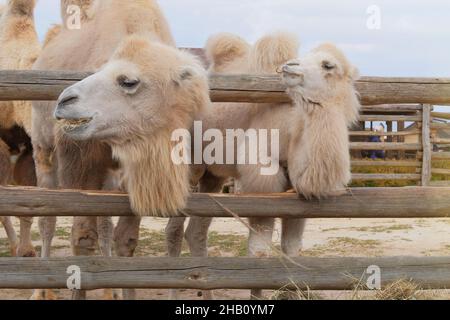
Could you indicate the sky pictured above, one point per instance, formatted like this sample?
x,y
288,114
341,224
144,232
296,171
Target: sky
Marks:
x,y
382,37
413,38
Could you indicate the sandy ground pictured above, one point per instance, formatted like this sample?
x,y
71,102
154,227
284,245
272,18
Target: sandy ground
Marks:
x,y
323,237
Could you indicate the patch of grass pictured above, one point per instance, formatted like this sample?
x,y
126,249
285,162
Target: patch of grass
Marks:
x,y
383,170
375,229
5,250
63,233
151,243
154,243
343,245
387,229
228,243
35,235
440,164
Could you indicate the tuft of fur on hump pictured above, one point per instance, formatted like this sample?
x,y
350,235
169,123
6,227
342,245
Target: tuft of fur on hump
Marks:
x,y
21,7
272,51
224,48
51,34
156,186
87,8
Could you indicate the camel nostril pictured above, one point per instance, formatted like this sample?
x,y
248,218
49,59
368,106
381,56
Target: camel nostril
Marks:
x,y
67,100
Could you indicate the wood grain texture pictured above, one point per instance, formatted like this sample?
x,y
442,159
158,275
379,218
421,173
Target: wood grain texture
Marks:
x,y
410,202
373,133
426,143
394,176
384,146
387,163
47,85
221,273
440,155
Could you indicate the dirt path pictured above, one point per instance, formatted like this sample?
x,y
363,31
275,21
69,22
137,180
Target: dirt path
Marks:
x,y
323,237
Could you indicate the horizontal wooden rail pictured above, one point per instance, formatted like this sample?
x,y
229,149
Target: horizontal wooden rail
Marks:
x,y
441,155
47,85
410,202
393,108
380,117
374,163
443,183
440,141
373,133
393,176
384,146
222,273
445,172
438,126
441,115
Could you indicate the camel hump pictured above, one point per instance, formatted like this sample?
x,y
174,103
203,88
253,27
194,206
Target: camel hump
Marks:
x,y
21,7
274,50
51,34
223,48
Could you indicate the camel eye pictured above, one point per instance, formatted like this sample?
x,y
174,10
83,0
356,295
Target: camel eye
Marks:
x,y
328,65
127,83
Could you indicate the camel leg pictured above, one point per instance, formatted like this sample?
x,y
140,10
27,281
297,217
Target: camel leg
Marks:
x,y
174,238
26,248
84,243
25,175
105,229
5,176
197,231
126,236
11,233
291,236
46,178
261,229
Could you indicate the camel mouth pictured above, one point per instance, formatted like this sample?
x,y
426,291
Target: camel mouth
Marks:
x,y
74,124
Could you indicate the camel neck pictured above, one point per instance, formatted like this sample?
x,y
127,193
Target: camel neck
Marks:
x,y
156,185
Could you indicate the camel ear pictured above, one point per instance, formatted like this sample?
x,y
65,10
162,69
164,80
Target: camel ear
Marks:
x,y
354,73
184,74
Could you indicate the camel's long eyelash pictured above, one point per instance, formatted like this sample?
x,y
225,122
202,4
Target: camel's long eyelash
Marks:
x,y
127,83
328,65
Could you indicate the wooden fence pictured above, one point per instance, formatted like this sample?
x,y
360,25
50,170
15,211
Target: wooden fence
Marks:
x,y
242,273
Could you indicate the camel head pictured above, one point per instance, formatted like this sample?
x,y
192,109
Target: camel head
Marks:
x,y
145,88
323,79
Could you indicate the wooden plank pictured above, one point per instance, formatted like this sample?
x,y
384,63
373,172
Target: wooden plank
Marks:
x,y
373,133
397,176
440,171
393,108
426,143
401,139
409,202
394,163
384,146
444,183
445,126
440,155
440,141
47,85
441,115
222,273
380,117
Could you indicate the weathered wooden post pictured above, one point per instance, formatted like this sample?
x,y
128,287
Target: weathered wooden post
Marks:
x,y
426,143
